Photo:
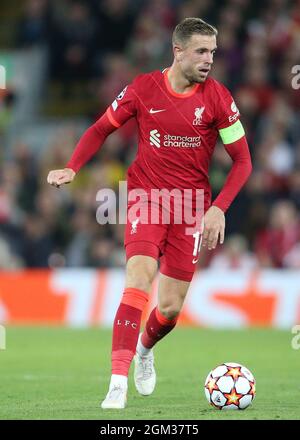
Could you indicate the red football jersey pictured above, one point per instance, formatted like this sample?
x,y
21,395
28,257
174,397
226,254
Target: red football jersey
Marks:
x,y
177,132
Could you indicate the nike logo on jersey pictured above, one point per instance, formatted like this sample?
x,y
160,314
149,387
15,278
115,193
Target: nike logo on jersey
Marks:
x,y
195,260
156,111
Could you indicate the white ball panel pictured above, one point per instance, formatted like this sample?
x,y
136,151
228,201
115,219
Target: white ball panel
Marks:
x,y
228,407
218,398
207,394
242,385
219,371
225,384
232,364
245,401
247,373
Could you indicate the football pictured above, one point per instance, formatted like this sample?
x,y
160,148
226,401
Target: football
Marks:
x,y
230,386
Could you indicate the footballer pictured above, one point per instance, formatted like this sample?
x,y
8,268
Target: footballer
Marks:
x,y
180,112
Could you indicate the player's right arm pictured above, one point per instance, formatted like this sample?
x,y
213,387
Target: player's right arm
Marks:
x,y
233,136
122,109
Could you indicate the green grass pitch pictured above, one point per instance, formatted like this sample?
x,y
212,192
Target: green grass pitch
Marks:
x,y
60,373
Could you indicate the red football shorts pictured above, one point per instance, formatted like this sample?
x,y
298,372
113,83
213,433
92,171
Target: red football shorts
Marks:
x,y
177,250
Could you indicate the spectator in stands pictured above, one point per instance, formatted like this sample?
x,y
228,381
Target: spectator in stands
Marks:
x,y
34,25
280,237
234,255
72,45
8,261
115,25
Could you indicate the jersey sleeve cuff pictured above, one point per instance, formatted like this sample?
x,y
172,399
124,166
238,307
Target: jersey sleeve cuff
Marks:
x,y
220,205
73,167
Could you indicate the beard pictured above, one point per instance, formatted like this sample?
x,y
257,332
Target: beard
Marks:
x,y
194,76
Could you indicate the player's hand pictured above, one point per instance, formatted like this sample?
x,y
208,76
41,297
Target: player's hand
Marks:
x,y
214,227
60,177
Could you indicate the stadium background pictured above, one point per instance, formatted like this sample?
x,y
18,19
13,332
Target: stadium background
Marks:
x,y
65,63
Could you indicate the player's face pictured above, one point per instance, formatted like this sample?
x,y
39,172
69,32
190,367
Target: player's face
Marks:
x,y
196,57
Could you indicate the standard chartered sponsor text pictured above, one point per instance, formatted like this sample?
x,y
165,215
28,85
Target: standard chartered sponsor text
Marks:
x,y
181,141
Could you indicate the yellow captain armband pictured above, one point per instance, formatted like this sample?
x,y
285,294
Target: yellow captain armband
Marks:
x,y
232,133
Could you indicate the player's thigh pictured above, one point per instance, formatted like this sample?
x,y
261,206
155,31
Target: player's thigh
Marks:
x,y
171,295
144,244
181,253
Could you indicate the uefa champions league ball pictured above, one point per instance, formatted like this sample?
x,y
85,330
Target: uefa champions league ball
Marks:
x,y
230,386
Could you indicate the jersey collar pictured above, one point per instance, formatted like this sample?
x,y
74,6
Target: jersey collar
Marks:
x,y
172,92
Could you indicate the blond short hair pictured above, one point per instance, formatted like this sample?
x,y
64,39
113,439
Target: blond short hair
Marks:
x,y
190,26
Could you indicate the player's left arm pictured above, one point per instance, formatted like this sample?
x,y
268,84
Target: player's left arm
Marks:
x,y
236,145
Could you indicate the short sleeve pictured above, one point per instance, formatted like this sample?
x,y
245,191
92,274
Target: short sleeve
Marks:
x,y
124,106
227,112
227,116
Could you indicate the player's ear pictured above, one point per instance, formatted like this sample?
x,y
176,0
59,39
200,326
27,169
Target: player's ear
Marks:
x,y
178,52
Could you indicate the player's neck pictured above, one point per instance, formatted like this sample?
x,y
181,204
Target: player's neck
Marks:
x,y
177,81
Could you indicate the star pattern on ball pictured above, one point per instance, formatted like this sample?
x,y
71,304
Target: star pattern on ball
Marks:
x,y
232,398
211,385
234,372
252,389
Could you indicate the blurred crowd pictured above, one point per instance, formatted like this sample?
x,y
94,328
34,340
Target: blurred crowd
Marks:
x,y
96,47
